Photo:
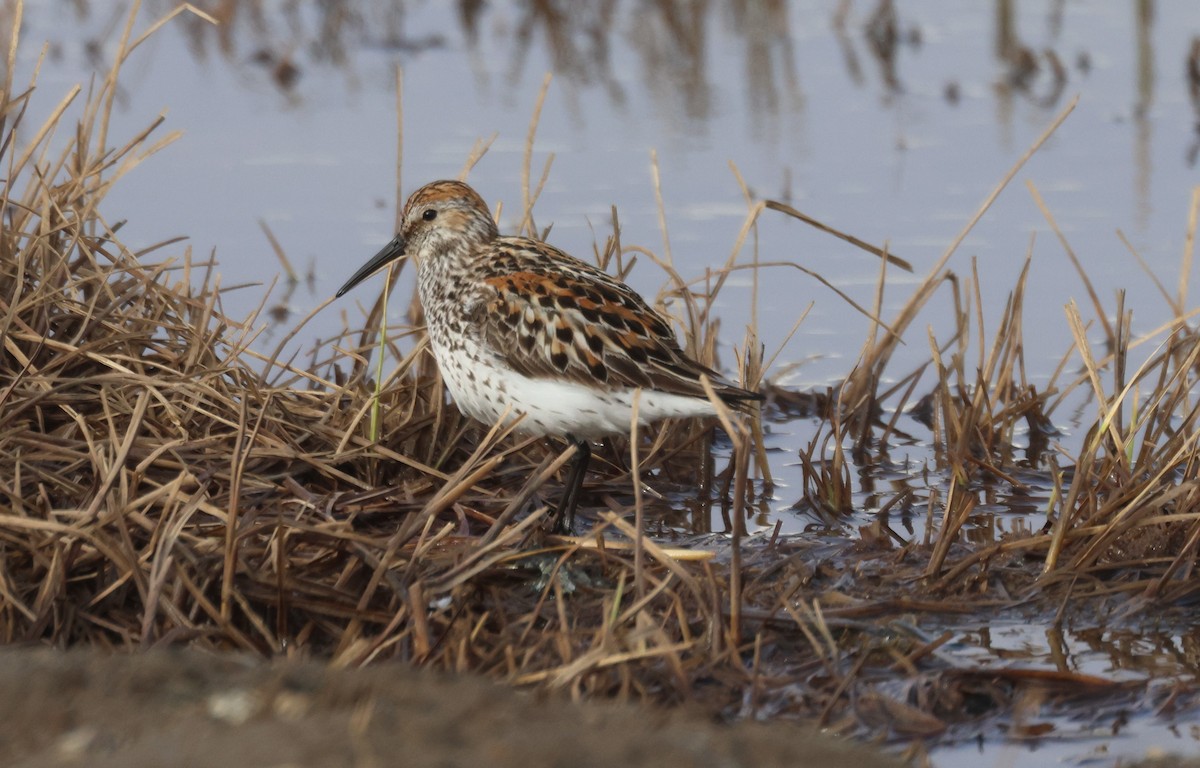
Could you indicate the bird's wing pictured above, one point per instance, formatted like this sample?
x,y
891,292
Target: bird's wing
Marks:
x,y
576,322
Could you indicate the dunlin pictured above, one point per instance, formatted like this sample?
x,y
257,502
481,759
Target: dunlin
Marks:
x,y
521,329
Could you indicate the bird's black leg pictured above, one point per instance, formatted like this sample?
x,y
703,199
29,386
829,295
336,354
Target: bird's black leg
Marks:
x,y
564,516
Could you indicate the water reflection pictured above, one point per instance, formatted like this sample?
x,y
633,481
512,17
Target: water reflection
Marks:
x,y
576,35
882,37
771,71
1143,134
1193,85
1118,653
671,40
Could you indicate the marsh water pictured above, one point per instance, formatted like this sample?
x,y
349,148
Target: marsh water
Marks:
x,y
892,123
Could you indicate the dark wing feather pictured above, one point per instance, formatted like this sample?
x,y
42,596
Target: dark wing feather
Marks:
x,y
570,320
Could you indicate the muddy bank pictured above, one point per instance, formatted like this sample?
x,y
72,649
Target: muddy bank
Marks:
x,y
182,707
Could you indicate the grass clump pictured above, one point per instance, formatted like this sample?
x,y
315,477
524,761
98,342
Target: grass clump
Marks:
x,y
164,483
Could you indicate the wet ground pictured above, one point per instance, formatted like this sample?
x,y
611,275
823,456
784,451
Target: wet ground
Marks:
x,y
891,124
186,708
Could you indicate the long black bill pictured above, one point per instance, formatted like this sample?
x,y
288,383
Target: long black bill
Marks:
x,y
386,255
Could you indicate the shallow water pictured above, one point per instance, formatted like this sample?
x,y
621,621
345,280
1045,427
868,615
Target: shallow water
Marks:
x,y
1119,727
289,116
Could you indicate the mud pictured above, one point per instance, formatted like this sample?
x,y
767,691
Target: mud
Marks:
x,y
189,708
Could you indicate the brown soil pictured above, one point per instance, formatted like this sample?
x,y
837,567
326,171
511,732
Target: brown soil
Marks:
x,y
186,707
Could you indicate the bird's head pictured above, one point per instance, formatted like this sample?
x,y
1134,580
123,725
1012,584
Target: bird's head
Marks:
x,y
439,218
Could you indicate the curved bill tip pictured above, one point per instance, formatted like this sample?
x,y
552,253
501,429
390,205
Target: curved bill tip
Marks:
x,y
389,253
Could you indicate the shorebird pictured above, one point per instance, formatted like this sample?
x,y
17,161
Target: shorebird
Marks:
x,y
520,329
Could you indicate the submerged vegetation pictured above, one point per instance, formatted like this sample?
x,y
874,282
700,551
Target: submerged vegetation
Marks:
x,y
164,482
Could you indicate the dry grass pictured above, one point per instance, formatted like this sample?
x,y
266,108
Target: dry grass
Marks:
x,y
165,483
162,483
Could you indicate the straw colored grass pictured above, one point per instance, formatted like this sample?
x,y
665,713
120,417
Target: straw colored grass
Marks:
x,y
164,483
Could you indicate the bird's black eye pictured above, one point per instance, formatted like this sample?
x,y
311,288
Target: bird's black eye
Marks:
x,y
429,215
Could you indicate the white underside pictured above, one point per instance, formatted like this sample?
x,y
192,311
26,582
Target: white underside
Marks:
x,y
550,407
